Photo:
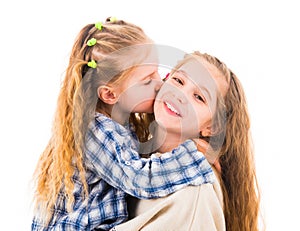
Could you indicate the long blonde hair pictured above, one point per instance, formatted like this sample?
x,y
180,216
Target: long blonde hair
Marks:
x,y
238,174
64,152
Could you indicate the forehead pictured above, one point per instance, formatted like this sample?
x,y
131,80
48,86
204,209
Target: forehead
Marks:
x,y
151,54
219,78
133,56
149,61
144,69
199,75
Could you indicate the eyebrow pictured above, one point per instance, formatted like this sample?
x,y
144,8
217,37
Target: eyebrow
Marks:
x,y
207,95
182,72
149,75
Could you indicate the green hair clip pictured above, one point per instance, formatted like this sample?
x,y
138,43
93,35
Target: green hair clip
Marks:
x,y
91,42
92,64
112,19
99,25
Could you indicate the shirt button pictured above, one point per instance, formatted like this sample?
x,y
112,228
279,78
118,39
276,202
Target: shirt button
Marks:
x,y
127,162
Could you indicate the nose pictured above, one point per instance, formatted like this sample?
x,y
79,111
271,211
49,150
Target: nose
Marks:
x,y
180,97
158,82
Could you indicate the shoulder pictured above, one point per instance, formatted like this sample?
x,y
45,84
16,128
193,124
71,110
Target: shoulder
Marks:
x,y
217,186
200,197
207,195
201,208
105,124
104,121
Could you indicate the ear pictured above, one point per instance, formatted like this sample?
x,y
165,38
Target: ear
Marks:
x,y
107,94
207,131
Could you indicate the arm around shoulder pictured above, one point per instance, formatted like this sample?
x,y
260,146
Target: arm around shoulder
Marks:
x,y
192,208
115,160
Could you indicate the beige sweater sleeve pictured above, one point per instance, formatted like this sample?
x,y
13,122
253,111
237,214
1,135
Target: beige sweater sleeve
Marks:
x,y
191,208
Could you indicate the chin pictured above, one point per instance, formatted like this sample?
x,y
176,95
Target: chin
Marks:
x,y
165,123
148,111
145,110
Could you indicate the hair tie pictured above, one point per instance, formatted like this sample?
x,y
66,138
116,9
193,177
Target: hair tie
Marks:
x,y
166,77
92,64
112,19
99,25
91,42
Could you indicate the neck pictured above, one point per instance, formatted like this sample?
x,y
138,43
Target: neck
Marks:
x,y
119,115
166,141
121,118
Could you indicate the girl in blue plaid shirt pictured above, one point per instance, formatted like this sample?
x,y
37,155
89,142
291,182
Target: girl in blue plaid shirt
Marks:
x,y
92,161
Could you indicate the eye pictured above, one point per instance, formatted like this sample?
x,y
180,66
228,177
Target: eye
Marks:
x,y
178,80
147,82
199,97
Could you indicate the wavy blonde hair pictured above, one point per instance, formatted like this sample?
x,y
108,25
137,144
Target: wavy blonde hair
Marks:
x,y
77,103
238,175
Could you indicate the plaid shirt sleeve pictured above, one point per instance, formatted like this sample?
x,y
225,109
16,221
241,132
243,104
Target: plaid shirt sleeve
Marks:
x,y
112,154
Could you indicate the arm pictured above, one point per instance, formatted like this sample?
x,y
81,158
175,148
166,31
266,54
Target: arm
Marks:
x,y
111,155
203,146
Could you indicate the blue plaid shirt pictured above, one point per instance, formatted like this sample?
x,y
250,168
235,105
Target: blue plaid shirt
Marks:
x,y
115,168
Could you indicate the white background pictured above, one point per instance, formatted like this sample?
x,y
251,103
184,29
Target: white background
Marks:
x,y
258,40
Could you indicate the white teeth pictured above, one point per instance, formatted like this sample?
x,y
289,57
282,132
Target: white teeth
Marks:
x,y
172,108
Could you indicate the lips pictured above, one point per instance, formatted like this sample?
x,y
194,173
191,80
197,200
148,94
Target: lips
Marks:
x,y
172,109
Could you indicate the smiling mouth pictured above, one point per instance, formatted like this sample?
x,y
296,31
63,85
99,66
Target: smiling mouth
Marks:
x,y
171,109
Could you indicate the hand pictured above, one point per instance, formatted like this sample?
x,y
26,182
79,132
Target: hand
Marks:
x,y
202,146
